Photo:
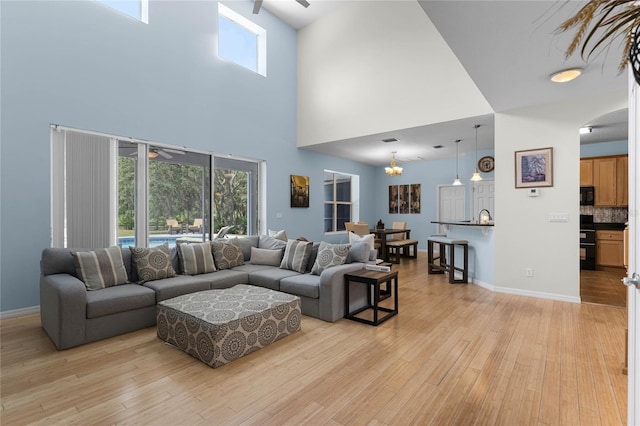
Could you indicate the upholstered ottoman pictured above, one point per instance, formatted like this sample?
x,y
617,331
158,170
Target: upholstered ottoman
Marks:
x,y
218,326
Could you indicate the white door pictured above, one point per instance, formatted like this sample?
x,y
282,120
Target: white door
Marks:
x,y
633,295
450,205
484,197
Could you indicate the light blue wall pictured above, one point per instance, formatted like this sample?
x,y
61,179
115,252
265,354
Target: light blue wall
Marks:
x,y
429,174
82,65
604,148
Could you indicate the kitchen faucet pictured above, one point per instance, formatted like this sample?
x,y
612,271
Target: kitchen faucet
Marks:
x,y
488,214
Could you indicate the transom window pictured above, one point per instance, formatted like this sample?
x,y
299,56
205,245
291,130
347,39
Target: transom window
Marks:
x,y
138,9
241,41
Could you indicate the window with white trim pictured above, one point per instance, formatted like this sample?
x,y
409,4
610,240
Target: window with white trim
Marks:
x,y
241,41
137,9
340,200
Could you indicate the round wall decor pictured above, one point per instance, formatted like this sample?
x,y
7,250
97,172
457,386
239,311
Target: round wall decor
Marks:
x,y
486,164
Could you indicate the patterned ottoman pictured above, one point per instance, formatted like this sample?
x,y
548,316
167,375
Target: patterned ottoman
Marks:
x,y
218,326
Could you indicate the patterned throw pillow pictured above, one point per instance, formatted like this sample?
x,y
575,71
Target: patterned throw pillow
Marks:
x,y
330,255
100,268
227,253
196,258
152,263
296,255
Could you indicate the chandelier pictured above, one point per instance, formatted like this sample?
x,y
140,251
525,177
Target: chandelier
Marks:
x,y
394,170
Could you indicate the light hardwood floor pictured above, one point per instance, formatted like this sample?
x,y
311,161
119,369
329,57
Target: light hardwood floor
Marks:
x,y
604,287
455,354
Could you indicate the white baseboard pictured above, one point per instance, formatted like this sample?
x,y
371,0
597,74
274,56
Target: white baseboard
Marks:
x,y
19,312
518,292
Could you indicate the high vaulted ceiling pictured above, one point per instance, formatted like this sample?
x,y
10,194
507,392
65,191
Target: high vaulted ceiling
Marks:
x,y
509,49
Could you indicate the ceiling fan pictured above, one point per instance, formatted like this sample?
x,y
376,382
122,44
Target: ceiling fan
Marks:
x,y
155,151
257,4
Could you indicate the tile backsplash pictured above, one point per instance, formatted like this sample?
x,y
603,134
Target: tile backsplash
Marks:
x,y
606,214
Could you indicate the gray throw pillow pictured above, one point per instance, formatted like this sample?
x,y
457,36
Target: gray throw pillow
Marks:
x,y
359,252
278,235
227,253
268,242
266,256
152,263
296,255
330,255
100,268
196,258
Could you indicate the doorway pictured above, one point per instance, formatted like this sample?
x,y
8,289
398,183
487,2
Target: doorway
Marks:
x,y
451,205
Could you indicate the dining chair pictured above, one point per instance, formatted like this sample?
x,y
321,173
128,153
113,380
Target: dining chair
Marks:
x,y
361,229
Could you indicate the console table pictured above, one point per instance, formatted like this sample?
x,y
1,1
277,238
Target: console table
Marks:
x,y
373,280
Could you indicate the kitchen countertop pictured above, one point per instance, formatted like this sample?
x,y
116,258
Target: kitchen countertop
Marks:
x,y
463,223
608,226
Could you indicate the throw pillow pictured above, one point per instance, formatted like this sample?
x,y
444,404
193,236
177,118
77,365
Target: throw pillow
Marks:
x,y
358,252
100,268
227,253
196,258
369,239
266,256
296,255
330,255
278,235
152,263
268,242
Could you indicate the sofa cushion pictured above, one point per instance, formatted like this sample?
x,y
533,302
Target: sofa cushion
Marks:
x,y
100,268
306,285
296,255
369,239
312,257
266,256
246,243
359,252
278,235
268,242
152,263
330,255
121,298
178,285
227,253
225,278
270,277
196,258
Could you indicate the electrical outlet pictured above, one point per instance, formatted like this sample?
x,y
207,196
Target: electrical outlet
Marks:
x,y
528,272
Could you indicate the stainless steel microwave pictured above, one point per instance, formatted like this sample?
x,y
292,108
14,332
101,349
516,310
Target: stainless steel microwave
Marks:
x,y
587,195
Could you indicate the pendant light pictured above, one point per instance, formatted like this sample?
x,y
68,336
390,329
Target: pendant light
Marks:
x,y
394,170
457,182
476,176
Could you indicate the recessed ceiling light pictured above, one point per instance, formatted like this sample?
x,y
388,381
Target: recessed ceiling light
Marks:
x,y
566,75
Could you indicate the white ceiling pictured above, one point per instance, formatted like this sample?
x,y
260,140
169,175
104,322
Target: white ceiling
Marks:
x,y
509,48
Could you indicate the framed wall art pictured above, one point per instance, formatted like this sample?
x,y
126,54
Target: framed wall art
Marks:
x,y
534,168
403,199
393,199
299,191
415,198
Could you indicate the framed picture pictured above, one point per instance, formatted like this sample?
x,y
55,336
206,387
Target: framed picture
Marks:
x,y
534,168
393,199
404,199
415,198
299,191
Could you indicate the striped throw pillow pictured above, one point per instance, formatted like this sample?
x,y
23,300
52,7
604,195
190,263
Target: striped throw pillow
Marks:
x,y
196,258
100,268
296,255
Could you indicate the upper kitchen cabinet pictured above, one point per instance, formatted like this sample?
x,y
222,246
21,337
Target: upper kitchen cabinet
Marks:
x,y
610,181
586,172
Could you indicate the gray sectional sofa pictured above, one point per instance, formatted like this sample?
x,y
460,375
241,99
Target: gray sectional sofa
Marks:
x,y
72,315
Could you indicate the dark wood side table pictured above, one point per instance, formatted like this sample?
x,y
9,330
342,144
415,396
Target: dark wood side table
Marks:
x,y
373,280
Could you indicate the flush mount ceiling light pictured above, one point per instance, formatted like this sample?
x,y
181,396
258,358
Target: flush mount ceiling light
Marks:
x,y
394,170
152,153
566,75
586,130
457,182
476,175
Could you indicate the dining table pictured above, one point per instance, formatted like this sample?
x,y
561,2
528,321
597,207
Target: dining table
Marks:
x,y
383,234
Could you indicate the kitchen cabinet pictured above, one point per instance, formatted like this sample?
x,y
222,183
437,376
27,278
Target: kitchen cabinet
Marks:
x,y
622,181
586,172
610,181
609,248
